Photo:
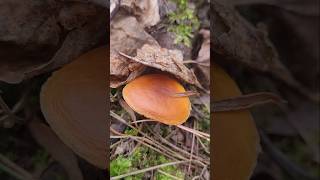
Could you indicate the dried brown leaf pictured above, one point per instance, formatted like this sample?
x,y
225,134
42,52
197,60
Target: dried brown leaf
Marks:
x,y
127,35
35,43
241,42
203,58
146,11
306,7
122,69
165,60
22,33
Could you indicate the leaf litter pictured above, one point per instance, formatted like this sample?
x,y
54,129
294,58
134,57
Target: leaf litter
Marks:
x,y
134,52
292,27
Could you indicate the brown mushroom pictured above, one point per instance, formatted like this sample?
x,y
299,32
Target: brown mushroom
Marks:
x,y
153,96
73,101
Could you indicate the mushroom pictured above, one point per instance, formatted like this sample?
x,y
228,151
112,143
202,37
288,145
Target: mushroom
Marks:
x,y
154,96
73,101
235,138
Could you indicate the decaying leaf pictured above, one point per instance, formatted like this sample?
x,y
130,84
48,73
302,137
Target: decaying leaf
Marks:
x,y
29,38
77,42
242,43
18,24
306,7
165,60
126,30
122,69
203,58
146,11
113,7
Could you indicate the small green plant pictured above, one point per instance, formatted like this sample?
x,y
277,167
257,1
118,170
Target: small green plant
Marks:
x,y
173,170
120,165
131,132
142,158
183,23
204,123
41,158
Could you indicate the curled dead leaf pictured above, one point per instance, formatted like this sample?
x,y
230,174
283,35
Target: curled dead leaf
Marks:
x,y
35,43
126,30
122,69
306,7
165,60
146,11
242,43
203,59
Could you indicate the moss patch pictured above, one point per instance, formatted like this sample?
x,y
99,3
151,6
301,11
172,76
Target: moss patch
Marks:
x,y
142,158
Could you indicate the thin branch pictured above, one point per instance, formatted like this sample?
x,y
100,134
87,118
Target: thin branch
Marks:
x,y
295,171
14,170
192,148
196,132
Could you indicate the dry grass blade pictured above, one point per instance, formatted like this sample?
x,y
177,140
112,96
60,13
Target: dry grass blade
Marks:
x,y
126,107
283,161
15,170
186,94
143,120
196,62
195,132
181,151
247,101
172,152
203,146
169,175
8,112
145,143
192,148
150,141
147,169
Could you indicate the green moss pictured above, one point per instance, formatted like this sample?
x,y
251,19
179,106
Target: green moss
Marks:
x,y
183,23
131,132
113,91
59,177
142,158
204,123
41,158
298,152
120,165
173,170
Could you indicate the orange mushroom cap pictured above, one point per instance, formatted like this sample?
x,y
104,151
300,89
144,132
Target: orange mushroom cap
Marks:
x,y
73,102
153,96
235,138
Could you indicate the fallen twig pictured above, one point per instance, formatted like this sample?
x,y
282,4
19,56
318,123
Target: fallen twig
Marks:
x,y
292,169
14,170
